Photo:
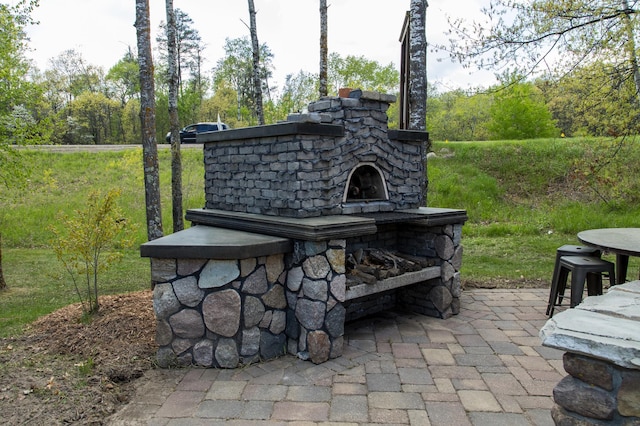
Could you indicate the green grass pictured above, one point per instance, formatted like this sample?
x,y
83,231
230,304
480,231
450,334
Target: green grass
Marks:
x,y
38,284
524,199
60,182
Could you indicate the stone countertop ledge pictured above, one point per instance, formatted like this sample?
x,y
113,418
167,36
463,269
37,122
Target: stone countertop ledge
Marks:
x,y
207,242
606,327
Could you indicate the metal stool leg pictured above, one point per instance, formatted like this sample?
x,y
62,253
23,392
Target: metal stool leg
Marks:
x,y
594,284
560,286
553,294
578,277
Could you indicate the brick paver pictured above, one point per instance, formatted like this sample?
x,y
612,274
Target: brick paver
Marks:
x,y
484,366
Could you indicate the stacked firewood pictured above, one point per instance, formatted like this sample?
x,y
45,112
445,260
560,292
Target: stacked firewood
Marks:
x,y
371,265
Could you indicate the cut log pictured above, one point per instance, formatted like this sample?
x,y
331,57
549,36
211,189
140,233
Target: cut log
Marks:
x,y
367,269
373,264
422,261
383,274
358,275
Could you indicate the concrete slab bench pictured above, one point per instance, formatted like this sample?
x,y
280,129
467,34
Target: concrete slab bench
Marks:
x,y
601,337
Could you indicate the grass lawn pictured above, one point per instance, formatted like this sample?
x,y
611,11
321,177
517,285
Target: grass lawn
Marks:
x,y
38,284
526,198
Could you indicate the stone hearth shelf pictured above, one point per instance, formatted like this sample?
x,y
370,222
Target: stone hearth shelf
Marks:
x,y
601,337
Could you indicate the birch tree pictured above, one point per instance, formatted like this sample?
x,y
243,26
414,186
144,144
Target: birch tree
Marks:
x,y
174,122
235,70
148,122
257,81
324,49
418,65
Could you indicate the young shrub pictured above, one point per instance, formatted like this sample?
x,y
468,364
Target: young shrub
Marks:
x,y
90,241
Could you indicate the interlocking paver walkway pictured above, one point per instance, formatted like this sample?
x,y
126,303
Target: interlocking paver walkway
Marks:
x,y
484,366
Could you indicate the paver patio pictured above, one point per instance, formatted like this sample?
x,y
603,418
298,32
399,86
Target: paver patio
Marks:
x,y
485,366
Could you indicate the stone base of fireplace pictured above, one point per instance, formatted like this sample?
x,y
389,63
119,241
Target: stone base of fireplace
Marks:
x,y
238,288
601,337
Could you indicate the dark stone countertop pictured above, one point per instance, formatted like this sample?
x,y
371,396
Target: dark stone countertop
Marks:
x,y
207,242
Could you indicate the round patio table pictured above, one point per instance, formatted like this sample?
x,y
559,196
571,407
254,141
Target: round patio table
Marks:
x,y
624,242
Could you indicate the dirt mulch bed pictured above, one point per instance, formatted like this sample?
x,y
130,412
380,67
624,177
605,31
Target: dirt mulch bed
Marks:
x,y
66,371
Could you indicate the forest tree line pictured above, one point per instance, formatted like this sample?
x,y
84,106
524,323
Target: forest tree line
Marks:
x,y
75,102
591,102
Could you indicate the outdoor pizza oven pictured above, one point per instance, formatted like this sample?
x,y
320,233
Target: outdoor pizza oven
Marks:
x,y
340,158
307,223
365,183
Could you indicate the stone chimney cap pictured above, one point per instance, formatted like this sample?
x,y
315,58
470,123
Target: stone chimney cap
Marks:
x,y
367,94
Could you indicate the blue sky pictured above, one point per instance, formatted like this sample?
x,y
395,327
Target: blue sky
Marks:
x,y
103,29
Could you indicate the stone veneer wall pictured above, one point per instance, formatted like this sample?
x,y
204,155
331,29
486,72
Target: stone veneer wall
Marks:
x,y
219,313
596,392
223,313
441,297
316,285
305,175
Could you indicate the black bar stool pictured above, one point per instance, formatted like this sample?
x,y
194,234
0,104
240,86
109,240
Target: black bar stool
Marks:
x,y
583,268
555,297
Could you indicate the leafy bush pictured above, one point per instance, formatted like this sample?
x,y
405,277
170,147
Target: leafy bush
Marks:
x,y
89,242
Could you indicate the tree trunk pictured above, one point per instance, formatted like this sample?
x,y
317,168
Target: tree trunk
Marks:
x,y
3,283
257,81
631,49
418,66
176,158
418,79
148,121
323,48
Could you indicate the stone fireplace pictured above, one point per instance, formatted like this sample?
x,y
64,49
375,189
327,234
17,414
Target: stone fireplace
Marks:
x,y
275,261
340,158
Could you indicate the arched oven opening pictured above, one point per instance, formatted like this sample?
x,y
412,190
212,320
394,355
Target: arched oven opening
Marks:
x,y
365,183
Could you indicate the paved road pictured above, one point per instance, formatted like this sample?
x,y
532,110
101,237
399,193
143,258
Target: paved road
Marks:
x,y
100,148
